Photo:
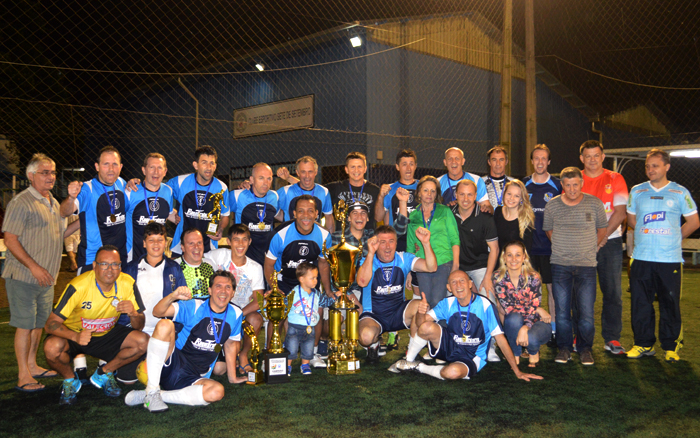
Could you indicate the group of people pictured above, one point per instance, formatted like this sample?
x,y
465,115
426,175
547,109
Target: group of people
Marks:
x,y
474,251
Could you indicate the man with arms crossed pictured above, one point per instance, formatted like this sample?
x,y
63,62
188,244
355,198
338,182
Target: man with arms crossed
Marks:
x,y
654,211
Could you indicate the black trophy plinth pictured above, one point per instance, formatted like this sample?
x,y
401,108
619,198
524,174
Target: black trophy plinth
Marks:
x,y
275,366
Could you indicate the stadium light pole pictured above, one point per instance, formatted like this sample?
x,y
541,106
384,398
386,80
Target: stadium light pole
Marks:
x,y
196,113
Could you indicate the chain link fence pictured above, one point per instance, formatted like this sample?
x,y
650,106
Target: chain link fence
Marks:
x,y
167,76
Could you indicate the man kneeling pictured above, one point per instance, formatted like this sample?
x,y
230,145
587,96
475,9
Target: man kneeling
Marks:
x,y
181,363
471,322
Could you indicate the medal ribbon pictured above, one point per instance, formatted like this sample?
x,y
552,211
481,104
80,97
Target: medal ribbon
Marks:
x,y
359,197
196,193
430,221
102,293
148,210
261,213
311,309
217,335
466,323
499,199
112,203
452,189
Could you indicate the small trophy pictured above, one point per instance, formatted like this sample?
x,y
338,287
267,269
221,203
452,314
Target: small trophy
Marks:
x,y
255,377
275,357
215,214
342,258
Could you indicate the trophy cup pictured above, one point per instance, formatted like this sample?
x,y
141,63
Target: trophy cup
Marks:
x,y
255,377
215,215
275,357
342,259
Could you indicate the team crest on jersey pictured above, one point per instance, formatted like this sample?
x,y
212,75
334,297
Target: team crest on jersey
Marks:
x,y
153,204
386,274
303,250
547,197
201,198
608,188
669,202
656,216
210,330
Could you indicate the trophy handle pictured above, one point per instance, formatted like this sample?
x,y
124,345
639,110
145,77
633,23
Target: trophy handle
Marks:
x,y
290,302
261,302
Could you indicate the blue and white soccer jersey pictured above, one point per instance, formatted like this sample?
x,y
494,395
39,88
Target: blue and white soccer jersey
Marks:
x,y
288,196
391,204
289,248
657,235
384,298
195,206
465,341
96,204
194,355
251,211
160,205
448,187
540,195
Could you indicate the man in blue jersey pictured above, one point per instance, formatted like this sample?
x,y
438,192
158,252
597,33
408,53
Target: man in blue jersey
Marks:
x,y
382,277
194,193
542,188
496,180
454,162
654,210
388,208
102,208
307,169
471,322
179,365
256,207
154,204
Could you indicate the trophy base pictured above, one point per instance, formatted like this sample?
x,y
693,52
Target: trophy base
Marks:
x,y
255,378
275,367
212,229
340,366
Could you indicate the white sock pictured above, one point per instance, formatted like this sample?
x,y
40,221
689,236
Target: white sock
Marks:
x,y
155,359
190,396
415,345
102,362
79,362
315,350
431,370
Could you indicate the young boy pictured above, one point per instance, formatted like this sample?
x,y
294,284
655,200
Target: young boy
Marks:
x,y
303,317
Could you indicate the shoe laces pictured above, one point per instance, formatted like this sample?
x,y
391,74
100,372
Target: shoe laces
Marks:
x,y
68,388
111,382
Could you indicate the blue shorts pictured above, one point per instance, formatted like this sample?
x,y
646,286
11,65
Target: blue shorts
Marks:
x,y
389,322
451,352
178,372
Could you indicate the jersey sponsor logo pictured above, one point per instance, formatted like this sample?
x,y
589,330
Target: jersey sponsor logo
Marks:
x,y
121,218
409,209
253,228
144,220
656,216
99,325
538,210
294,264
608,188
656,197
689,201
607,207
388,290
347,196
204,345
468,340
197,214
548,197
657,231
675,191
641,190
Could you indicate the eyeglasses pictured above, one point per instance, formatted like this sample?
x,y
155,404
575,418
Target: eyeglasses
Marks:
x,y
104,265
47,173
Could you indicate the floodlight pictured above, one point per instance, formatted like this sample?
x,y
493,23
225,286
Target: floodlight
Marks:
x,y
260,67
356,41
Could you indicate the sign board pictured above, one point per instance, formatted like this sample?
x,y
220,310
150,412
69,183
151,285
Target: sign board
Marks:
x,y
268,118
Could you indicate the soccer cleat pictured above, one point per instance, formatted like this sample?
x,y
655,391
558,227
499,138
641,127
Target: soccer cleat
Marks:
x,y
636,352
135,397
305,368
382,350
82,375
393,341
372,355
154,402
614,347
672,356
403,365
317,362
563,356
107,382
69,391
586,357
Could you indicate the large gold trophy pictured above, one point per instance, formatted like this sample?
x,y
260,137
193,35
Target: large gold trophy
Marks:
x,y
255,377
342,259
273,308
215,214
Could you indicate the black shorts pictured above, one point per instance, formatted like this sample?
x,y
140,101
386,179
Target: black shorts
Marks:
x,y
178,372
541,265
414,280
449,351
105,347
389,322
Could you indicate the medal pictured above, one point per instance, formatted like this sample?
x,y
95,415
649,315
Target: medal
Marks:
x,y
212,323
430,221
465,327
499,199
115,298
308,330
260,213
359,197
151,222
217,348
115,302
261,225
112,218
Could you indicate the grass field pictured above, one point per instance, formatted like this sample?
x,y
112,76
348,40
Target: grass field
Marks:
x,y
616,397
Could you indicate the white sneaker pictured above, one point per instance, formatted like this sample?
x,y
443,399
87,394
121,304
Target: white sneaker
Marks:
x,y
403,365
427,356
439,361
493,356
135,397
317,362
154,403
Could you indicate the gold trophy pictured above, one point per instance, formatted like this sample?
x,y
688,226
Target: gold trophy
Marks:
x,y
342,259
275,357
215,215
255,377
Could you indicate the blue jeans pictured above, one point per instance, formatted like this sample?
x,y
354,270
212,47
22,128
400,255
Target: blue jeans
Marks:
x,y
564,280
538,334
297,337
434,284
609,277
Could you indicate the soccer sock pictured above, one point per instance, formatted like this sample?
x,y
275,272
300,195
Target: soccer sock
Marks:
x,y
79,362
155,359
415,345
431,370
190,396
315,350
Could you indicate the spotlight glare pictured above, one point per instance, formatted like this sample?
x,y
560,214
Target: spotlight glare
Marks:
x,y
356,41
260,67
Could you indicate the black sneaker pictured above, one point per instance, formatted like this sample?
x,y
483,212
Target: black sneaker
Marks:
x,y
382,350
552,343
372,355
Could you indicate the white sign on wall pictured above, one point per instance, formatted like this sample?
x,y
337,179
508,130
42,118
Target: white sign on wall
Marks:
x,y
284,115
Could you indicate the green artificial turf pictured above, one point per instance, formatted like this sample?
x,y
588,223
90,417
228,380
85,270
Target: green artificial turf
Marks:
x,y
615,397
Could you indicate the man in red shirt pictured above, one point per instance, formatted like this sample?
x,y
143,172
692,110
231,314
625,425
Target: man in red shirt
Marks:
x,y
609,187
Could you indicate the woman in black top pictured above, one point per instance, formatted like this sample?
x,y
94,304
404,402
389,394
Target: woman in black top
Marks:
x,y
515,220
